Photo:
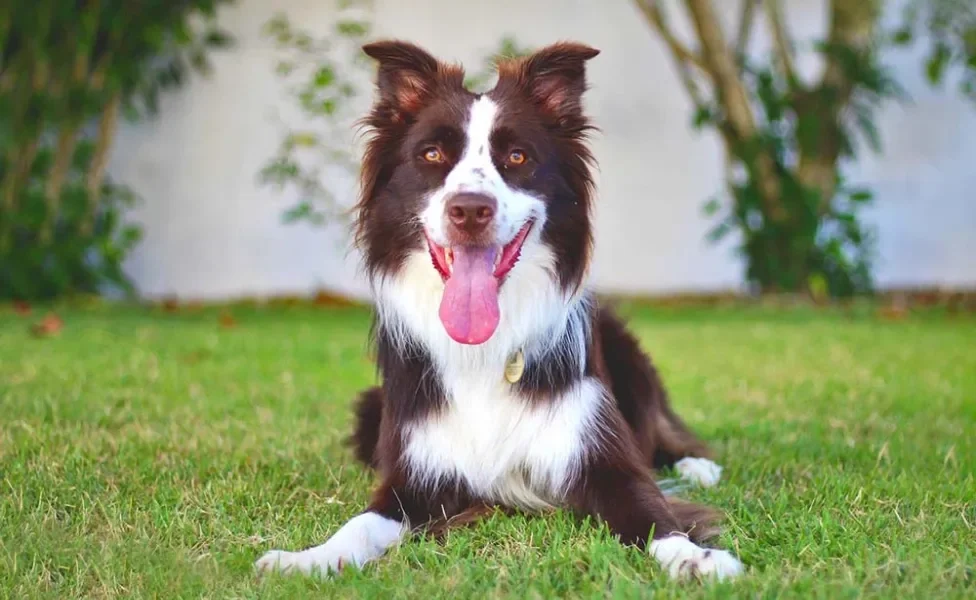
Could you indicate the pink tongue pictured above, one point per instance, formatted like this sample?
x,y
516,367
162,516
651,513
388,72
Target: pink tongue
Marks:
x,y
469,307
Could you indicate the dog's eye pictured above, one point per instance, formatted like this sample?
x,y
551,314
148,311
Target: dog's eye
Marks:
x,y
433,155
516,157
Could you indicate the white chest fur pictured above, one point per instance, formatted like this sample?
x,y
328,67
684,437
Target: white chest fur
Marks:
x,y
505,448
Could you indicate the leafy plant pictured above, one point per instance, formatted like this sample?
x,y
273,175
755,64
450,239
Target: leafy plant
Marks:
x,y
949,29
819,244
788,140
325,75
68,72
62,260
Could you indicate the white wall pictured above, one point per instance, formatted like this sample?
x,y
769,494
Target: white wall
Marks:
x,y
212,231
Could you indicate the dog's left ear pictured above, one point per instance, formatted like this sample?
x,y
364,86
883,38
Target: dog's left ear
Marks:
x,y
555,76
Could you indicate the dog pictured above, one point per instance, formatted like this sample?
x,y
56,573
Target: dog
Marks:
x,y
505,383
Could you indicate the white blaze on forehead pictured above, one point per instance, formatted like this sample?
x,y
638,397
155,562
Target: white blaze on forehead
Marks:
x,y
475,172
480,126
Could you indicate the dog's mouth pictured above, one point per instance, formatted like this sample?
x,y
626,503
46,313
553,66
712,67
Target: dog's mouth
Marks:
x,y
472,276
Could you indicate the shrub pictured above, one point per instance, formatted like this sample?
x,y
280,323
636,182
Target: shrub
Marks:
x,y
69,70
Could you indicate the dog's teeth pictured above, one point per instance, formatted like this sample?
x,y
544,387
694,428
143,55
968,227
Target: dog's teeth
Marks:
x,y
449,259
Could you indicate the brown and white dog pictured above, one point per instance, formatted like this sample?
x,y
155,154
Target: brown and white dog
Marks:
x,y
504,383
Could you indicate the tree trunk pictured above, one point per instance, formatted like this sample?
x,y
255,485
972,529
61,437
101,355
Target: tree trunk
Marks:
x,y
72,117
55,180
23,148
96,171
852,25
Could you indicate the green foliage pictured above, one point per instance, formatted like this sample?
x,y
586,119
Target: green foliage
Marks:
x,y
325,74
68,71
824,251
808,235
807,242
948,28
818,245
76,256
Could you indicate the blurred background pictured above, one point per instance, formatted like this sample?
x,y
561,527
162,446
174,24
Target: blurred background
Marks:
x,y
207,150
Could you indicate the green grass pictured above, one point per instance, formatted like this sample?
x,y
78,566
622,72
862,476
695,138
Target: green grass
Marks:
x,y
146,454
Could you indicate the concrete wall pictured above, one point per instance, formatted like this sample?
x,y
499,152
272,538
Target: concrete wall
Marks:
x,y
212,231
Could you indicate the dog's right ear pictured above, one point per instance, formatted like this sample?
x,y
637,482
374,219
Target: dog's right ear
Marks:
x,y
407,73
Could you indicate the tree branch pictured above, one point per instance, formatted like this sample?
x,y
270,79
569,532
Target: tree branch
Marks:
x,y
655,16
731,91
746,19
681,54
720,66
691,86
781,40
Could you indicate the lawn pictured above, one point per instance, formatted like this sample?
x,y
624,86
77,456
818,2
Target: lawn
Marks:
x,y
154,454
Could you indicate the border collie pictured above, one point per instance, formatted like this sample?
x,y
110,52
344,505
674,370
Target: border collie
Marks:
x,y
504,383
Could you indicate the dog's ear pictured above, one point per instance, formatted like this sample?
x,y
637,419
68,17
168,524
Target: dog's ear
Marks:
x,y
407,73
554,76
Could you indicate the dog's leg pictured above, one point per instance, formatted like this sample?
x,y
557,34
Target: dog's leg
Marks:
x,y
365,437
395,511
678,448
364,538
663,438
623,495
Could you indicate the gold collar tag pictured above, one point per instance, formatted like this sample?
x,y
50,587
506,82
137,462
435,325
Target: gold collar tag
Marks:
x,y
515,367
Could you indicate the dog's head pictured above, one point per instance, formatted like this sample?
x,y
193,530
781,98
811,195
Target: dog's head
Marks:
x,y
477,182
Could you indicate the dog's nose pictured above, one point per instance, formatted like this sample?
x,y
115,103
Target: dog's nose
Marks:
x,y
471,213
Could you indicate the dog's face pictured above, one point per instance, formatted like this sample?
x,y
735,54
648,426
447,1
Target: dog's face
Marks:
x,y
477,181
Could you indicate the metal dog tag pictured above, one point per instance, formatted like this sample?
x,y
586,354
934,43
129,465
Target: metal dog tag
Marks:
x,y
515,367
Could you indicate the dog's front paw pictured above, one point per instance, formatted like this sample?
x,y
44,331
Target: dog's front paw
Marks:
x,y
364,538
306,563
684,559
699,471
275,560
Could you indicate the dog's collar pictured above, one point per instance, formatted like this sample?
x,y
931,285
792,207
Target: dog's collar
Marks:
x,y
515,366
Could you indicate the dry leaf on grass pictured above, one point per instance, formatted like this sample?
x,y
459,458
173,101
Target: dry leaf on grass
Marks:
x,y
323,298
171,304
896,309
227,320
48,326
